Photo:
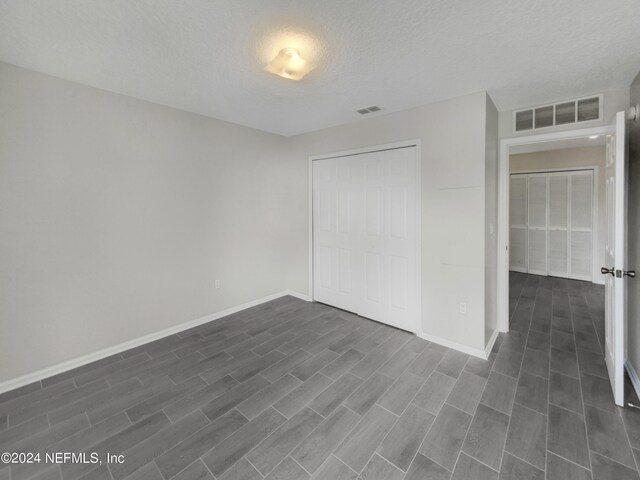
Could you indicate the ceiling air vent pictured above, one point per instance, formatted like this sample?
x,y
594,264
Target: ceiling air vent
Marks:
x,y
371,109
563,113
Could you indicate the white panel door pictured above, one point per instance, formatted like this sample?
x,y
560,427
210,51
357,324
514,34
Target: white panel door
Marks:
x,y
365,249
337,228
375,293
401,259
537,231
615,258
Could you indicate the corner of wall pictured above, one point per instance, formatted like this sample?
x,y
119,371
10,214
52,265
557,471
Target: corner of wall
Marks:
x,y
491,221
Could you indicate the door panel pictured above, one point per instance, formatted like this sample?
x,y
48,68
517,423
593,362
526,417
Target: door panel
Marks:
x,y
538,200
518,223
557,259
324,211
398,212
558,200
401,239
581,200
374,211
333,211
518,200
344,211
398,282
581,225
344,271
324,267
615,258
537,228
374,274
537,251
581,255
557,236
518,249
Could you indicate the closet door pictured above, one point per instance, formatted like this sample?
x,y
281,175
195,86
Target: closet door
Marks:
x,y
581,225
401,233
375,295
537,231
558,228
518,223
337,231
365,230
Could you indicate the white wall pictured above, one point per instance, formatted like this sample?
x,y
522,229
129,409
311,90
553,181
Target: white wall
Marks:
x,y
613,101
453,138
568,158
117,215
633,312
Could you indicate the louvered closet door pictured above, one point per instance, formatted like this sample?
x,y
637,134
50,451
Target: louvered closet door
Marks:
x,y
537,231
551,223
518,223
581,225
557,236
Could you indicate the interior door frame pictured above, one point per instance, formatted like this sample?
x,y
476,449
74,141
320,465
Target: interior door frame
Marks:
x,y
595,268
370,149
503,205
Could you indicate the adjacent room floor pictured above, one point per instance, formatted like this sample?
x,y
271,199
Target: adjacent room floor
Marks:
x,y
293,390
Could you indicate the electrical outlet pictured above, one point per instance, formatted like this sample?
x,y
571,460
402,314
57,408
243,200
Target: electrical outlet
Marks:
x,y
217,284
463,308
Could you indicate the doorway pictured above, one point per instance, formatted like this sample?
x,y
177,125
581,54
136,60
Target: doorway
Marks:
x,y
527,155
612,354
365,231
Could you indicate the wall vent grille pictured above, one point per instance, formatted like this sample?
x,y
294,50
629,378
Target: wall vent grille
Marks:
x,y
585,109
371,109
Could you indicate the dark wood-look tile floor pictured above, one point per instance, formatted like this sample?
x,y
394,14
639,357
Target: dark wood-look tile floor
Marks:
x,y
295,390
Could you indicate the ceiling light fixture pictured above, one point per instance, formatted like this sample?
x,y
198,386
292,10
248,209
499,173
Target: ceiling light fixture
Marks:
x,y
593,137
289,64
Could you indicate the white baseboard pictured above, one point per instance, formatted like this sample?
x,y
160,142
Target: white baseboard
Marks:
x,y
491,343
301,296
476,352
106,352
633,375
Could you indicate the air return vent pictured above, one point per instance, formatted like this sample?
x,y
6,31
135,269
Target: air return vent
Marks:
x,y
563,113
371,109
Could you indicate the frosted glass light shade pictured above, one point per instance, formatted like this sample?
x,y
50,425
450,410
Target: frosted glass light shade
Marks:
x,y
289,64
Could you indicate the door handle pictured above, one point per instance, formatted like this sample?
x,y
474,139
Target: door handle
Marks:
x,y
605,270
629,273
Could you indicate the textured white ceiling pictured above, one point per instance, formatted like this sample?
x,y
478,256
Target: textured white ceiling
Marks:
x,y
206,56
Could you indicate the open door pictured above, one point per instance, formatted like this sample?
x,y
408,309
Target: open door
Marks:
x,y
615,257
